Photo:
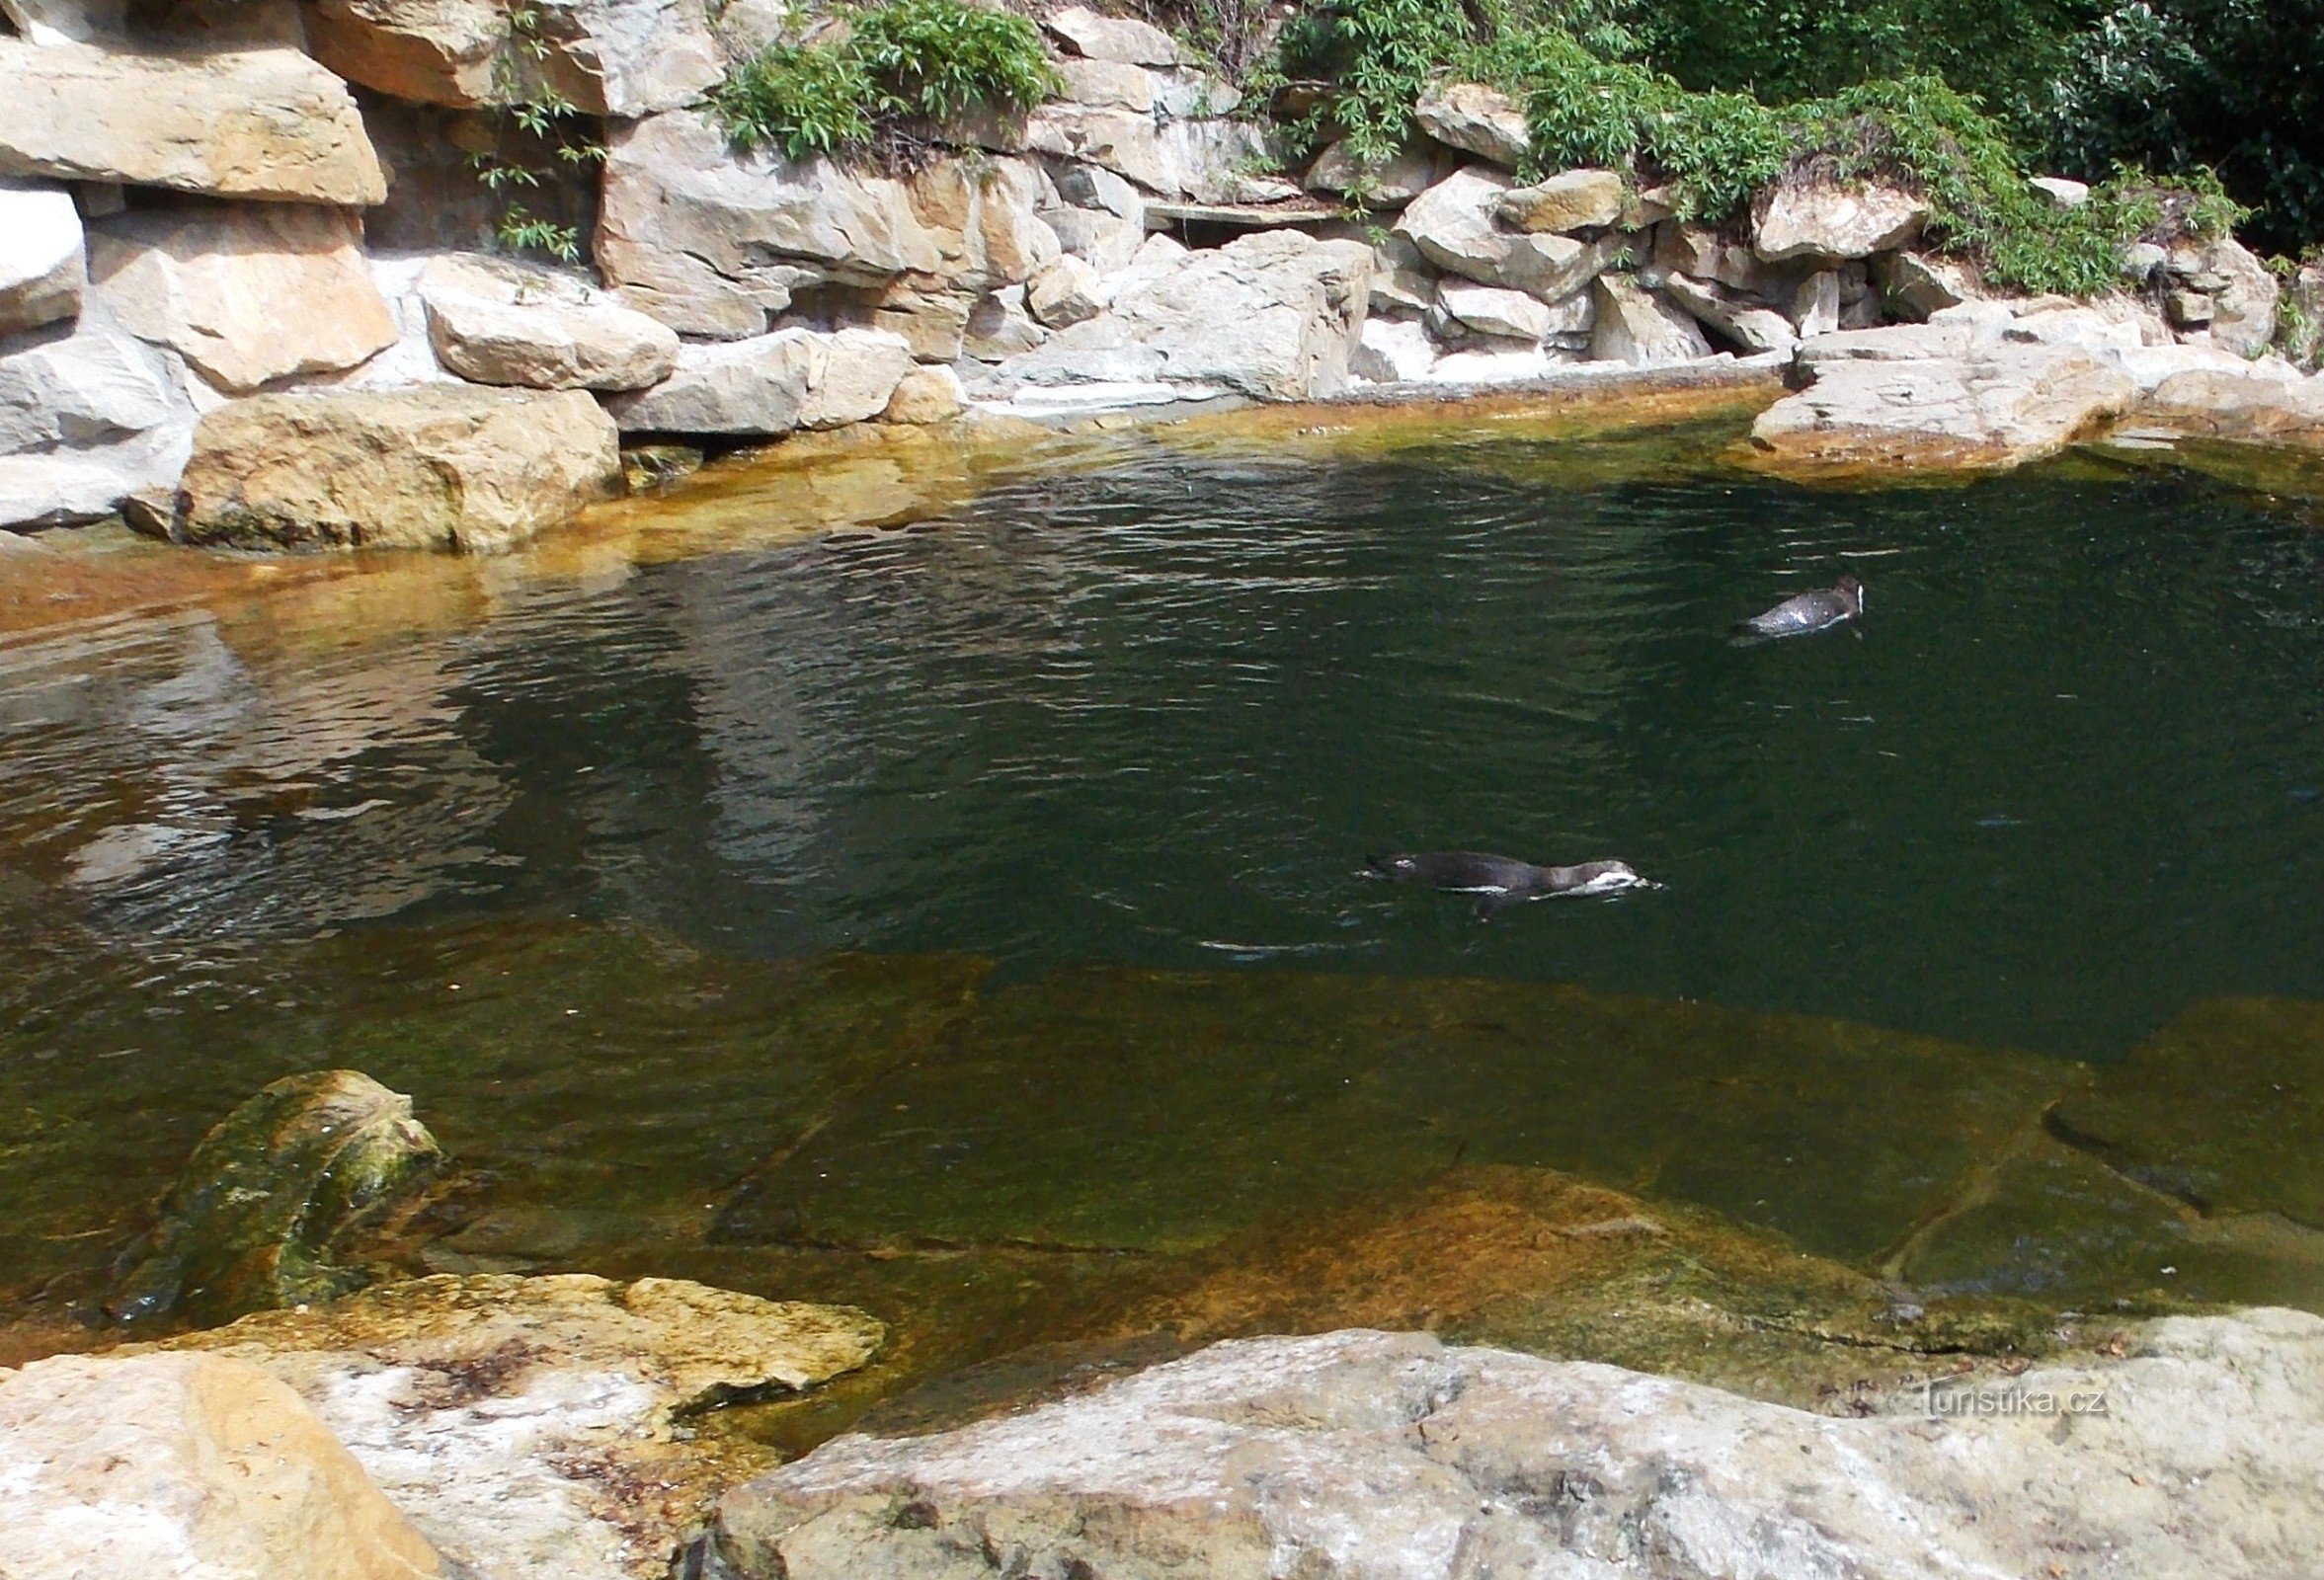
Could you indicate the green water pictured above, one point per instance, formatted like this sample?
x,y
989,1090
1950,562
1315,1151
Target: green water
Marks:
x,y
993,885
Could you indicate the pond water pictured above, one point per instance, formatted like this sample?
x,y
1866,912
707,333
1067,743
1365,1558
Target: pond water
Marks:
x,y
632,874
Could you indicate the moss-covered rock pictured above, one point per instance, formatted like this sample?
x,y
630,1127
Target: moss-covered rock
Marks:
x,y
266,1199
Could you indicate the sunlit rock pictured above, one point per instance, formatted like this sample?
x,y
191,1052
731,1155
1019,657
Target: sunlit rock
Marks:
x,y
270,1194
1453,225
1576,200
1802,217
771,385
1119,38
606,57
186,1465
496,321
1477,119
1388,183
43,265
1633,325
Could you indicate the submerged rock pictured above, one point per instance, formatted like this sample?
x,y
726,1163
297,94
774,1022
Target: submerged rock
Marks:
x,y
532,1426
185,1465
270,1195
1387,1456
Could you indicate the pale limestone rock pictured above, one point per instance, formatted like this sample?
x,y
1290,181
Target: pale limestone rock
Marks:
x,y
1393,352
60,488
1490,310
1998,407
2233,401
1815,304
2063,193
1477,119
43,265
248,294
1897,342
1064,293
606,57
1190,95
1390,183
1578,199
927,395
1390,1457
934,324
771,385
1124,39
442,466
185,1465
1917,284
1683,248
1106,242
1400,276
1120,140
1216,161
1452,224
1750,326
1096,187
530,1426
1273,315
411,359
495,320
1637,327
266,123
1475,368
1799,219
46,22
2243,293
712,241
88,418
1107,85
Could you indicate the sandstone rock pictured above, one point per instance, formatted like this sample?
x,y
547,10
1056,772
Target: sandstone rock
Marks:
x,y
999,326
1799,219
1452,224
1105,241
1693,250
1995,408
713,241
984,222
499,322
647,468
270,1195
1118,38
934,324
42,263
1815,304
1390,183
247,295
2189,309
1217,161
532,1426
1476,118
443,466
606,57
1388,1455
1274,315
1749,326
1637,326
258,123
1064,295
1578,200
927,395
1489,310
771,385
1120,140
191,1464
1107,85
47,22
1897,342
1400,276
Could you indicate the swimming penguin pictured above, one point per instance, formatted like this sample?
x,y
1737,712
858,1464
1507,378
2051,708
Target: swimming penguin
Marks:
x,y
1500,882
1808,612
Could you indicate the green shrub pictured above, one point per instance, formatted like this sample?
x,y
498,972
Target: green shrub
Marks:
x,y
904,62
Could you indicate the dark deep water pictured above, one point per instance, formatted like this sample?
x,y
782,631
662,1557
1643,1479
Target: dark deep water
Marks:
x,y
2067,779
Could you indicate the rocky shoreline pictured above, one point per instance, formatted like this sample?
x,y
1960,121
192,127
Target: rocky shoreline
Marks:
x,y
243,304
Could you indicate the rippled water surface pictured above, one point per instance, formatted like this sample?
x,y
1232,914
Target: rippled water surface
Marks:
x,y
1150,711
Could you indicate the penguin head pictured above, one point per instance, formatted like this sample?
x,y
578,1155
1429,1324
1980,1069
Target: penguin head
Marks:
x,y
1850,592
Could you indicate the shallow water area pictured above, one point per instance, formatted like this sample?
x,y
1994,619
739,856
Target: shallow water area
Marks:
x,y
962,911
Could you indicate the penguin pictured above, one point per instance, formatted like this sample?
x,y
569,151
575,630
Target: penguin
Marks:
x,y
1808,612
1500,882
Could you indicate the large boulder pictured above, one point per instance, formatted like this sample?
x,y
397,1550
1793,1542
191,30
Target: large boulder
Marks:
x,y
983,219
1999,406
1389,1455
1389,183
88,419
447,466
1804,217
771,385
247,295
499,322
269,1196
1636,326
1123,141
2238,293
1124,39
1453,225
1274,315
1748,324
267,124
1491,310
185,1465
1478,120
712,240
536,1425
606,57
2235,403
43,263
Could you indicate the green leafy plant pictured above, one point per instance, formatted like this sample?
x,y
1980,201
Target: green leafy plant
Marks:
x,y
539,131
900,63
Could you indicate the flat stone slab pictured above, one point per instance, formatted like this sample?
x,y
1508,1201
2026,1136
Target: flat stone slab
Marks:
x,y
1161,215
1387,1456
